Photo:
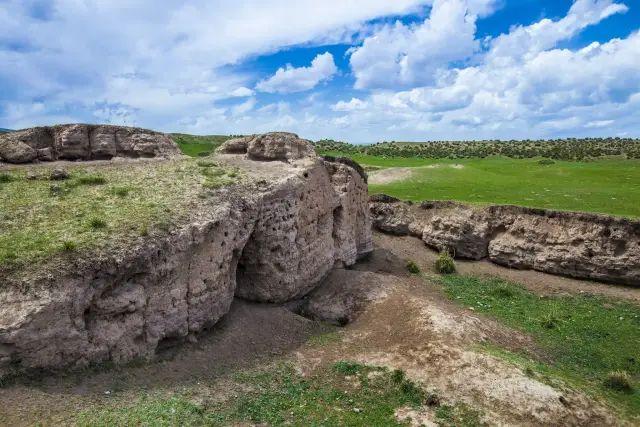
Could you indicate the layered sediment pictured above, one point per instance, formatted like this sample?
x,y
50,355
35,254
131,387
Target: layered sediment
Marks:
x,y
271,238
83,142
580,245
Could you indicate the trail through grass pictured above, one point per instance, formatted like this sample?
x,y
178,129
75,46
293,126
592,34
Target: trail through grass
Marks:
x,y
586,337
610,186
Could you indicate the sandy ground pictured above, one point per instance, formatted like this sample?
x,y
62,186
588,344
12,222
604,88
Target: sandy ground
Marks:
x,y
413,327
389,175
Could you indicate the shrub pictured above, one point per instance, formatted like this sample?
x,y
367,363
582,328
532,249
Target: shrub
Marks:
x,y
97,223
69,246
92,180
445,263
546,162
413,267
619,381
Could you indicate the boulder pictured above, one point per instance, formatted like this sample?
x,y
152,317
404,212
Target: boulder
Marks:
x,y
15,151
279,146
103,143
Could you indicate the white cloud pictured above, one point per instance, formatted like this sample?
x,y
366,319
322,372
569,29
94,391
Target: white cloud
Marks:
x,y
409,55
353,105
163,63
522,86
242,92
291,80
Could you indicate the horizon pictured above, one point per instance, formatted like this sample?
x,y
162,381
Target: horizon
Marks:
x,y
360,71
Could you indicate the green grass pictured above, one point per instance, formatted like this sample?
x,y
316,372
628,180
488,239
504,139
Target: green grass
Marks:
x,y
196,145
97,206
610,186
586,337
345,394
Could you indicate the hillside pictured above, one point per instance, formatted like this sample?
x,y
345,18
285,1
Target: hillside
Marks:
x,y
572,149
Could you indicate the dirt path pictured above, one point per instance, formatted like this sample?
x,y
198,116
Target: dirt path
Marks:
x,y
414,328
389,175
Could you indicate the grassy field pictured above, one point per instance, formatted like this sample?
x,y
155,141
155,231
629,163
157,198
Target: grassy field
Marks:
x,y
609,186
96,205
588,339
345,394
198,145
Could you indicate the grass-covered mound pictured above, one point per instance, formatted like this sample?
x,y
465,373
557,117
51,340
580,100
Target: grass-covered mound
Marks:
x,y
97,205
589,341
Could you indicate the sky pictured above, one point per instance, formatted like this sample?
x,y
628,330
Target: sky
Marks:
x,y
353,70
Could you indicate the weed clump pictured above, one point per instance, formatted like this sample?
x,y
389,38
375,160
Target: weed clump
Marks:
x,y
445,263
92,180
546,162
97,223
619,381
69,246
549,321
5,177
121,191
503,292
413,267
347,368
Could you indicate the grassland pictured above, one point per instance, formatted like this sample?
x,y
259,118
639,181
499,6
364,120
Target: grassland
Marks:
x,y
608,185
584,338
345,394
97,205
198,145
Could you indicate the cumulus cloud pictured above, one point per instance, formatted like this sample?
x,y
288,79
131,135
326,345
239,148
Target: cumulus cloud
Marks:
x,y
290,79
353,105
406,55
523,85
164,64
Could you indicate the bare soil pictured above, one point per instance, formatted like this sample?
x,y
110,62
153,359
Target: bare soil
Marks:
x,y
413,327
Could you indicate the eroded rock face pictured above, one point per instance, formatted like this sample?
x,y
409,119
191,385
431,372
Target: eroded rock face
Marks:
x,y
272,238
270,146
83,142
572,244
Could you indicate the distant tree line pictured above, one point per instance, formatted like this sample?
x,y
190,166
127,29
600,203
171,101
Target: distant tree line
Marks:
x,y
559,149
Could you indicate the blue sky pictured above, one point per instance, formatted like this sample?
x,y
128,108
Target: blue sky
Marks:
x,y
358,70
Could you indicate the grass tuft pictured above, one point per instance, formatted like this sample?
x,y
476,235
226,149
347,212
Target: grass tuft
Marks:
x,y
69,246
92,180
96,223
347,367
412,267
619,381
445,263
5,177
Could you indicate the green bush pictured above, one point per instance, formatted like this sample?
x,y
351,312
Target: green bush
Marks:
x,y
445,263
413,267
